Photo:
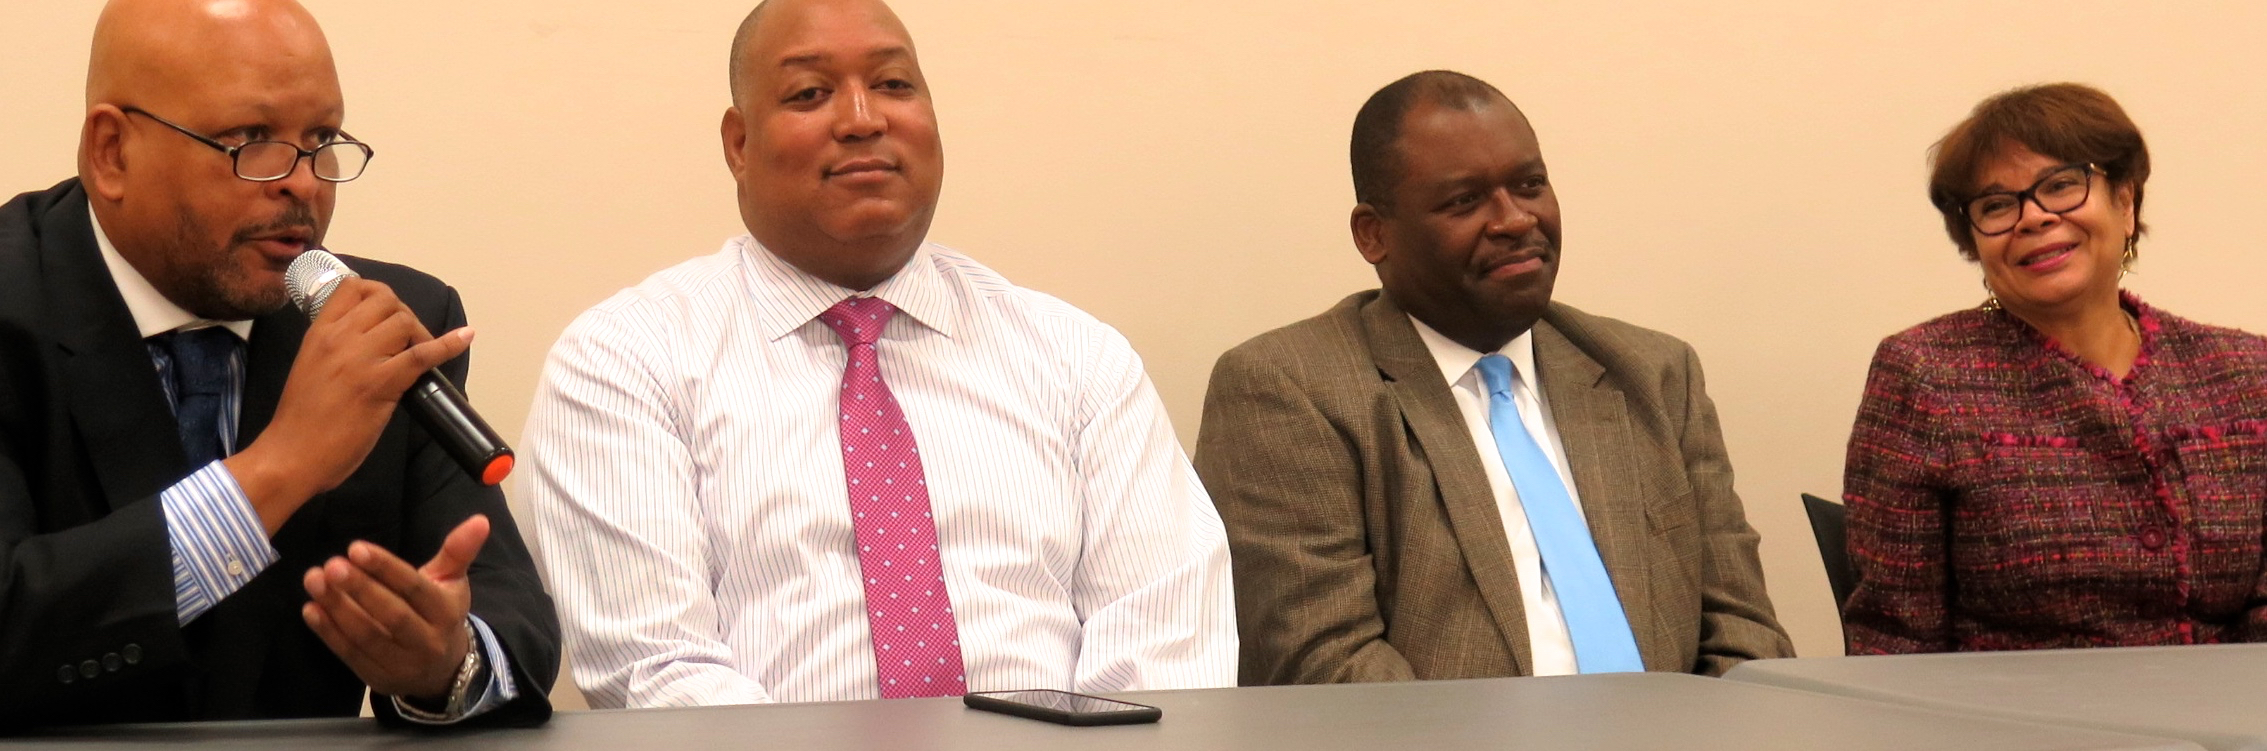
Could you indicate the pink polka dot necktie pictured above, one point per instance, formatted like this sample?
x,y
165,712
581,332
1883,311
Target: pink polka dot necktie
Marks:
x,y
916,643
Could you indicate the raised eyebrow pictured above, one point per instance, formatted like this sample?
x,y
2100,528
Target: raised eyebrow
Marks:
x,y
814,59
2041,174
1992,188
244,134
322,133
803,61
261,128
1444,189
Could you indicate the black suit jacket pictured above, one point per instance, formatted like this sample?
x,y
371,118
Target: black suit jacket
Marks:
x,y
87,441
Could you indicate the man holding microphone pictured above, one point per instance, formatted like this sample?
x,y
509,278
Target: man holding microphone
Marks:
x,y
209,508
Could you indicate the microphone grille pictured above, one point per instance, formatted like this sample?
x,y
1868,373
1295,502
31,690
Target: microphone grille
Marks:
x,y
313,276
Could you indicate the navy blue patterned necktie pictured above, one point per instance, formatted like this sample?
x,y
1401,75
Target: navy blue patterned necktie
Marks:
x,y
201,386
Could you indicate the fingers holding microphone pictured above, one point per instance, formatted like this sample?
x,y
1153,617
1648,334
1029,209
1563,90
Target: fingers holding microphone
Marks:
x,y
428,395
374,326
407,349
363,348
432,352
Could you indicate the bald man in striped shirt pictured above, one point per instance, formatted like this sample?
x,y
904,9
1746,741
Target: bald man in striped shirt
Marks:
x,y
833,461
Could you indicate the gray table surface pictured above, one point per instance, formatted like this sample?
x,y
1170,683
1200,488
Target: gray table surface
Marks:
x,y
2213,695
1637,711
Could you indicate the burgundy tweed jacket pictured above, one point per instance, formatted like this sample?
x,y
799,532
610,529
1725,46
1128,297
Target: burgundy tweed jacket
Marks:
x,y
2004,494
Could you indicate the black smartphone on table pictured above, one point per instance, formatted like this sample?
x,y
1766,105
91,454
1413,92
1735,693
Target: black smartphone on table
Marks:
x,y
1063,707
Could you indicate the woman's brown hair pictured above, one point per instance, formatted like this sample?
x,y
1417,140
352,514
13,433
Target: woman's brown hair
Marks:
x,y
2067,122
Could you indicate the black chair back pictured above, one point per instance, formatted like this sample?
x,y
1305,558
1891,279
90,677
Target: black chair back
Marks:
x,y
1829,522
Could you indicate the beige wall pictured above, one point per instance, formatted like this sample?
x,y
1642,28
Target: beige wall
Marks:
x,y
1745,175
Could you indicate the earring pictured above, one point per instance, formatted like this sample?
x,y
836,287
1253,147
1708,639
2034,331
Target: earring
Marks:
x,y
1991,299
2132,252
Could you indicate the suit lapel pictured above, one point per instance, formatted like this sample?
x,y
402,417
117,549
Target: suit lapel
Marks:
x,y
1430,412
113,391
1592,418
267,363
268,357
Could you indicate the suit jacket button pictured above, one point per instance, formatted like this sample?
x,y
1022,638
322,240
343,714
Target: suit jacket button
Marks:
x,y
89,669
132,653
66,675
2152,537
111,663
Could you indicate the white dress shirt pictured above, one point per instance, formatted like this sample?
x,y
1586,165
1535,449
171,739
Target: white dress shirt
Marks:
x,y
1547,635
685,470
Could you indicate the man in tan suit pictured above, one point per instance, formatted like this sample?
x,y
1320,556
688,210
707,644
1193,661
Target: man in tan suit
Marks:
x,y
1385,523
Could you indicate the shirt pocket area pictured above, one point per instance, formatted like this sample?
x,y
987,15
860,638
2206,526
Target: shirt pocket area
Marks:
x,y
2039,514
2223,469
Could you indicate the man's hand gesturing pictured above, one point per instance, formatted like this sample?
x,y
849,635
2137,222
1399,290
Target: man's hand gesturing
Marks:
x,y
401,629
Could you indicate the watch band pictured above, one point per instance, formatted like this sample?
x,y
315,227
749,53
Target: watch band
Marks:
x,y
460,689
471,667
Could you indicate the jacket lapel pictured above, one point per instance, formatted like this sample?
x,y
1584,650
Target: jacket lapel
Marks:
x,y
1445,442
268,357
113,391
267,364
1592,418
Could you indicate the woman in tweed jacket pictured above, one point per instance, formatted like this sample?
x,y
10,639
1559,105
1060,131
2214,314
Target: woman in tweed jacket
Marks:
x,y
2065,466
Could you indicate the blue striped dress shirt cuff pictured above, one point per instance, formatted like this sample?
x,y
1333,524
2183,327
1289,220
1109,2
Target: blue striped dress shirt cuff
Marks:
x,y
219,545
496,692
218,541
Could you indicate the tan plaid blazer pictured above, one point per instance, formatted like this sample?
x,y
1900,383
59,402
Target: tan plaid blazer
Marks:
x,y
1366,541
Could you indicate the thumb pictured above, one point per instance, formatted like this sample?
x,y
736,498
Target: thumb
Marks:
x,y
458,551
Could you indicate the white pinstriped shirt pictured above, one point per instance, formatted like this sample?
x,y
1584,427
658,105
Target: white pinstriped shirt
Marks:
x,y
685,470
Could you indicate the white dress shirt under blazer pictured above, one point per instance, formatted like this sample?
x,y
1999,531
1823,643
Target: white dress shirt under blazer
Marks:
x,y
1547,635
686,477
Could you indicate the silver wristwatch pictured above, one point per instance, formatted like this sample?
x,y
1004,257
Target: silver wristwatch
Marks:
x,y
460,689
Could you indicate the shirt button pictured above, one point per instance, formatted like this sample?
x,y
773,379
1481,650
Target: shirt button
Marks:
x,y
132,653
111,663
235,567
89,669
66,675
2152,537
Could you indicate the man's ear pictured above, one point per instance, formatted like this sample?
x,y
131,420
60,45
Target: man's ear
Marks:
x,y
735,133
102,152
1368,227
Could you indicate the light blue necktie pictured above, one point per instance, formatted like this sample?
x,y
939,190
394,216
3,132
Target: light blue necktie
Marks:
x,y
1594,618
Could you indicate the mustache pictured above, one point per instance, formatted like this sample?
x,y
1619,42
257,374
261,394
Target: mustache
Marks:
x,y
296,216
1540,247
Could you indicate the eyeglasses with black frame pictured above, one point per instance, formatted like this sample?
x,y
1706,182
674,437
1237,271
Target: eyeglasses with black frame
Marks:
x,y
2064,189
338,160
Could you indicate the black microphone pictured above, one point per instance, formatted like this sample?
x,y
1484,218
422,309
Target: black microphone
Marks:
x,y
434,401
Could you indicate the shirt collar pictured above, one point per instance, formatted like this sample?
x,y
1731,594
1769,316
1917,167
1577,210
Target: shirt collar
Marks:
x,y
1456,360
153,313
795,298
